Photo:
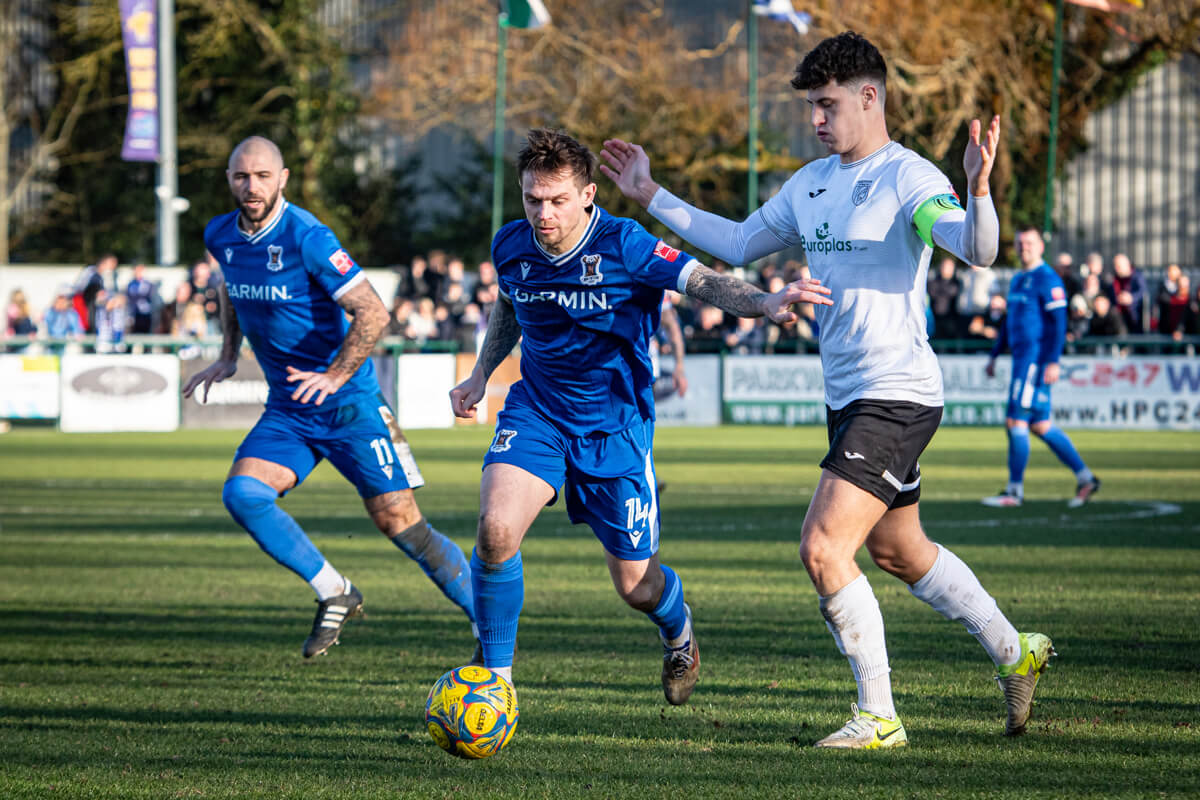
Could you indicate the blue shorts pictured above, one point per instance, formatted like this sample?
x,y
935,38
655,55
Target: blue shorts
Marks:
x,y
1028,396
361,439
609,479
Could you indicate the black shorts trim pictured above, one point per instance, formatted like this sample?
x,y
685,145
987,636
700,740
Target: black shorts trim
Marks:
x,y
876,444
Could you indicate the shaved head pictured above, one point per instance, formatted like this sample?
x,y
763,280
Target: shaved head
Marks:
x,y
257,145
256,177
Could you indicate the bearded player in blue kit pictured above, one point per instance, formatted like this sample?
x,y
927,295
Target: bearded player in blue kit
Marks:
x,y
584,290
288,288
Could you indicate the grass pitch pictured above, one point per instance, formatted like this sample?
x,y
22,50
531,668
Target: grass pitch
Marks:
x,y
150,650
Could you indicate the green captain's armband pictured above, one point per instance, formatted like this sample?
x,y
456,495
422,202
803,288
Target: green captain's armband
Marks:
x,y
930,212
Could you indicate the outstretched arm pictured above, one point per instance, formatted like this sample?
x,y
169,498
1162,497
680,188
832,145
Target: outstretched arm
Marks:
x,y
745,300
225,366
975,238
502,335
736,242
370,320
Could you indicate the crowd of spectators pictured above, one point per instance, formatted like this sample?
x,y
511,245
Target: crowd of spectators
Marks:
x,y
440,304
968,303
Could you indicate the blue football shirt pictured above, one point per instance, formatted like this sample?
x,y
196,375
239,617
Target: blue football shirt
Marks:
x,y
1036,322
587,316
284,282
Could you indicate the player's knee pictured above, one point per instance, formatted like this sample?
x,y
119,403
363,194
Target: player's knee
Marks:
x,y
886,556
246,497
642,594
496,540
1040,429
398,515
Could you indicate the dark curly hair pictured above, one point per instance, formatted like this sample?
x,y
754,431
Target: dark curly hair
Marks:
x,y
845,58
548,152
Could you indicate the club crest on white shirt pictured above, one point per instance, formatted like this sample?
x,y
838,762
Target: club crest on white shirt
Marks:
x,y
861,190
591,270
274,257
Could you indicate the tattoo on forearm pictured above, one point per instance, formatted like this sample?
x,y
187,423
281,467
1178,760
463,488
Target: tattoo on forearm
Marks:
x,y
370,318
725,292
232,331
503,333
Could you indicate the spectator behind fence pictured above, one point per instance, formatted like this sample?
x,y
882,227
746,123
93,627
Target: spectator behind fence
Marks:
x,y
1191,324
402,309
978,286
61,320
206,289
1093,265
1079,317
171,317
1167,288
422,324
944,289
193,320
1064,265
19,317
989,324
1128,293
1106,319
1173,317
749,335
93,279
143,300
112,318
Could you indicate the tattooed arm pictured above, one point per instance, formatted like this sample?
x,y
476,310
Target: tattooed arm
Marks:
x,y
503,333
225,366
741,299
370,319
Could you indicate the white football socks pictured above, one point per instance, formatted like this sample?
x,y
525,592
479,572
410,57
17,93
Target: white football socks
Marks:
x,y
853,617
328,582
953,591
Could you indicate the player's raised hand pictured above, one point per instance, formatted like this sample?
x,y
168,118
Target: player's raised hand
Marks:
x,y
778,306
213,373
466,396
980,156
318,384
629,168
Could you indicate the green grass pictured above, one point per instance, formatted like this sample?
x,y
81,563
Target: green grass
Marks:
x,y
150,650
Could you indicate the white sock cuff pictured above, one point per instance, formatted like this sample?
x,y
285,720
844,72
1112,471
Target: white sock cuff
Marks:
x,y
328,582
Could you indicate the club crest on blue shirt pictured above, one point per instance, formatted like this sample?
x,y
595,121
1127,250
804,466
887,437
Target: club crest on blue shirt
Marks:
x,y
591,270
274,257
861,190
525,267
228,256
503,440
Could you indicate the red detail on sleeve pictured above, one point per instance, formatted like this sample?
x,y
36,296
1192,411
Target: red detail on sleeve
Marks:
x,y
341,261
664,250
1057,293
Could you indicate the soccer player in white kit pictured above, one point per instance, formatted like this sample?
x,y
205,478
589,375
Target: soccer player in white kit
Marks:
x,y
868,217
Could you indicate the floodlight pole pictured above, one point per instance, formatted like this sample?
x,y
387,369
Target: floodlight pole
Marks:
x,y
167,189
1047,219
752,94
498,133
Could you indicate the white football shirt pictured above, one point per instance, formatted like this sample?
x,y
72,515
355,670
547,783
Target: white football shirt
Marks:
x,y
856,225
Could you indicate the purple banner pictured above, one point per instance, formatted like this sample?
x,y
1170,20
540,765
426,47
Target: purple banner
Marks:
x,y
139,29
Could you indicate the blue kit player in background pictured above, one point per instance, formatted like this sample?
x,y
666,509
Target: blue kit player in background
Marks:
x,y
288,288
584,289
1034,331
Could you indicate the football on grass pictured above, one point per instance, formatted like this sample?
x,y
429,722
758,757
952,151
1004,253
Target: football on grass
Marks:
x,y
471,712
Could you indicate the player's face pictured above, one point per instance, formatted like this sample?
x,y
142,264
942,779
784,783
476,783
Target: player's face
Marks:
x,y
839,115
557,208
256,179
1029,248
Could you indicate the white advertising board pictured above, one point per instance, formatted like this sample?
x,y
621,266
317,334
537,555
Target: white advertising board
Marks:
x,y
701,404
106,393
28,387
1133,393
423,384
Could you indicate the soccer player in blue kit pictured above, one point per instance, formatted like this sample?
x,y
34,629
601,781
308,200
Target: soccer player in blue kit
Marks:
x,y
288,288
1034,330
584,290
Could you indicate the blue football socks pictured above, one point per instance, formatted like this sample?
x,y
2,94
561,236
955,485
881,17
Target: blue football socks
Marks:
x,y
442,560
1060,444
1018,453
670,615
499,594
252,504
